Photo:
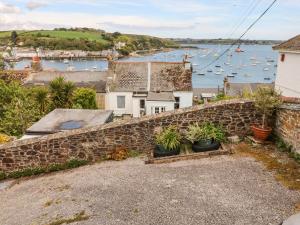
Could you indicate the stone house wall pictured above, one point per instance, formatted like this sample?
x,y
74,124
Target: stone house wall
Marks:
x,y
135,134
288,125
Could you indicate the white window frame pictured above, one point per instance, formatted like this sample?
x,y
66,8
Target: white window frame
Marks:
x,y
123,97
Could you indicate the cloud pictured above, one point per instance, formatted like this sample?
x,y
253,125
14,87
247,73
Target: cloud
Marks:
x,y
9,9
32,5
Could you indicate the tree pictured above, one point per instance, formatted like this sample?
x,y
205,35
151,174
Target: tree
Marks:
x,y
18,109
61,92
84,98
14,37
266,101
41,95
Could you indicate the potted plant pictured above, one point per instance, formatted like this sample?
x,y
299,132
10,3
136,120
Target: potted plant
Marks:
x,y
206,137
167,142
266,101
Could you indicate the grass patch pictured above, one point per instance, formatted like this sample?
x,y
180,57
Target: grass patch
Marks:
x,y
133,154
286,169
76,218
74,163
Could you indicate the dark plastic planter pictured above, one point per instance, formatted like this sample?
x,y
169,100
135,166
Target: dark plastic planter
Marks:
x,y
160,151
201,147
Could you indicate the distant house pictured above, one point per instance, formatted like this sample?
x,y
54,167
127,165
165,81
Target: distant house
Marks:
x,y
94,80
238,89
146,88
60,120
288,71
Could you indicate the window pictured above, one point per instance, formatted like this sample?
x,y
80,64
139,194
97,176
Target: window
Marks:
x,y
156,110
177,103
163,109
121,102
282,57
142,104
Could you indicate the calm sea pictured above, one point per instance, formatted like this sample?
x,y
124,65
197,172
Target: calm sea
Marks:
x,y
256,64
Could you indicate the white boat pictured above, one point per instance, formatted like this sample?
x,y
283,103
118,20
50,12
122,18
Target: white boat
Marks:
x,y
266,69
218,72
195,64
70,68
252,58
222,70
66,61
253,64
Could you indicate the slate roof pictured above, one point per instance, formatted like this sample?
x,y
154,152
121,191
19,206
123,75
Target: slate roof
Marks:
x,y
161,96
235,89
95,80
292,44
67,119
164,76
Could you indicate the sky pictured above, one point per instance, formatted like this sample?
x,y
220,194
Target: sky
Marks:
x,y
162,18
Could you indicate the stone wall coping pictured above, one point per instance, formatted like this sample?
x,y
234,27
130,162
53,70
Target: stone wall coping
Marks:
x,y
115,124
295,107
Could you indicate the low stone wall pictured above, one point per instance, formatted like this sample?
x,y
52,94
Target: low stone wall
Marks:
x,y
135,134
288,125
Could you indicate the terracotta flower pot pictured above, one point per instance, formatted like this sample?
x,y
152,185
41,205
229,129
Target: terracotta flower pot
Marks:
x,y
260,133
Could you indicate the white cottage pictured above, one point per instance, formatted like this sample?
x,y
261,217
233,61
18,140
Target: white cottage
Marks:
x,y
288,71
147,88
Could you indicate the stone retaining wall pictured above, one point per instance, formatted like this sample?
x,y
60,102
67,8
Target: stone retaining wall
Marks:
x,y
288,125
135,134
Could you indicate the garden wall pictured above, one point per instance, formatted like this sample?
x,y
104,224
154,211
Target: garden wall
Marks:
x,y
288,125
135,134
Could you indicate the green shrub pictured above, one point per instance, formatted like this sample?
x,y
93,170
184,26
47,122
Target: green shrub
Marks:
x,y
206,131
169,138
84,98
2,176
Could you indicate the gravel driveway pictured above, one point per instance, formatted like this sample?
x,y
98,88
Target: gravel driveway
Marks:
x,y
222,190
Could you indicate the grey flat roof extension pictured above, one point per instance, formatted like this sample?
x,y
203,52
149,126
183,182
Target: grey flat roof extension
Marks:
x,y
67,119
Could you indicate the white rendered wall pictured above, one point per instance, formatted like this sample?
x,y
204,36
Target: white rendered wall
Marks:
x,y
111,103
136,106
288,75
186,98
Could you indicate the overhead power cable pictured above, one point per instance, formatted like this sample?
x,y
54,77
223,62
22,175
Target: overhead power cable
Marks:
x,y
238,40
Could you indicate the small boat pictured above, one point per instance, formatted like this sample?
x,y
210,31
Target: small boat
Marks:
x,y
266,69
66,61
276,65
230,75
253,64
253,58
216,55
217,66
27,67
95,67
209,71
201,74
270,60
195,64
222,70
234,73
267,78
70,68
268,64
227,63
238,49
218,73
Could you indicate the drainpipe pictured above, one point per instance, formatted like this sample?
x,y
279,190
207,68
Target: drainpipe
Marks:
x,y
149,77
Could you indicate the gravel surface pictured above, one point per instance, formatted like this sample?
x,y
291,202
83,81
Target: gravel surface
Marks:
x,y
218,191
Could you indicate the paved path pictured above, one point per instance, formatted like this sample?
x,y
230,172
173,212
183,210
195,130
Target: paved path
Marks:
x,y
219,191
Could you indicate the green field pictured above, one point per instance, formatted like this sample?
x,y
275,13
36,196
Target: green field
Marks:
x,y
91,36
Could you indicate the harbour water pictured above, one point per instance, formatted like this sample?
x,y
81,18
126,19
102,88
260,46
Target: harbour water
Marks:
x,y
256,64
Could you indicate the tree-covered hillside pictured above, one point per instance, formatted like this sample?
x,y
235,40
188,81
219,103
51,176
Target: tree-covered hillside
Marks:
x,y
82,39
